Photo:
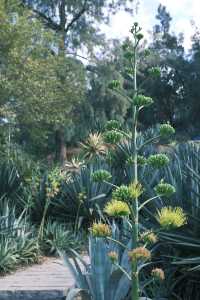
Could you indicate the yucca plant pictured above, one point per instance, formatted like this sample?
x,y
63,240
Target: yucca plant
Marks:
x,y
125,201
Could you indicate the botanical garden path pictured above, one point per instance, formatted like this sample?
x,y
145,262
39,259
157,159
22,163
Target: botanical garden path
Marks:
x,y
47,281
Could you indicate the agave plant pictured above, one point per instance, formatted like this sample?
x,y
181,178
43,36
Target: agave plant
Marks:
x,y
74,165
99,278
94,146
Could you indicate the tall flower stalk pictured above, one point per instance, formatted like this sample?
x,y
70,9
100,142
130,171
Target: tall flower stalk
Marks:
x,y
125,201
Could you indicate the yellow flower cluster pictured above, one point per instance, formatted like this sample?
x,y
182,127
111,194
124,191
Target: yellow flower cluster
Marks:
x,y
100,230
149,237
113,256
135,189
128,193
117,208
158,274
140,253
169,217
53,190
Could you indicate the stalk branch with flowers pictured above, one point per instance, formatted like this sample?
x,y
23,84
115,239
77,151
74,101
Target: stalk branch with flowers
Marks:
x,y
125,202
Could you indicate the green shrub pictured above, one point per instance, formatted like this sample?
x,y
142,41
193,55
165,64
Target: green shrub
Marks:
x,y
59,237
18,244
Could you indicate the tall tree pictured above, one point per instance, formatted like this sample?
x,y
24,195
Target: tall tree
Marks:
x,y
192,75
76,23
167,52
76,20
40,88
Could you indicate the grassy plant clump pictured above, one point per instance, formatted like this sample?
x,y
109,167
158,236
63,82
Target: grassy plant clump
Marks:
x,y
18,242
59,237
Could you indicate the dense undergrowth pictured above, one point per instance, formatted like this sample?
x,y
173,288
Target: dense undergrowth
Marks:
x,y
42,210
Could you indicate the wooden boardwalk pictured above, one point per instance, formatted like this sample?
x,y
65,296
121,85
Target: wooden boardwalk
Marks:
x,y
47,281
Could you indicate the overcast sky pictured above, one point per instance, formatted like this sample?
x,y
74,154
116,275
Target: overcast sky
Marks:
x,y
182,12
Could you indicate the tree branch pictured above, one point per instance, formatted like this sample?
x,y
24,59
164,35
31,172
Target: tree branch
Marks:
x,y
50,23
47,20
76,17
44,18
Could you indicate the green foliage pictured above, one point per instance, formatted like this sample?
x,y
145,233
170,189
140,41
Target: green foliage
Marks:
x,y
141,100
112,136
81,197
93,147
58,237
101,175
166,130
8,260
114,84
81,107
154,71
112,125
165,189
141,160
122,193
39,88
80,29
18,245
158,160
10,181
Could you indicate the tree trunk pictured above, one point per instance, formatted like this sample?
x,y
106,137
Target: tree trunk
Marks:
x,y
61,150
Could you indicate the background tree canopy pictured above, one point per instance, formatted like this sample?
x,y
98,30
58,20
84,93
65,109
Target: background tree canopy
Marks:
x,y
77,20
38,87
51,99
